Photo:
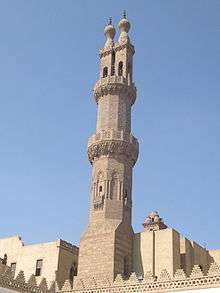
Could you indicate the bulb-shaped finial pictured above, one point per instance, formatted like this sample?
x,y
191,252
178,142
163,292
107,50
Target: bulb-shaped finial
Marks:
x,y
109,32
124,26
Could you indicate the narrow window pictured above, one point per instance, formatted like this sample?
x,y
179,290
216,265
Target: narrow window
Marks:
x,y
4,259
113,63
120,68
73,272
105,72
13,268
39,265
100,188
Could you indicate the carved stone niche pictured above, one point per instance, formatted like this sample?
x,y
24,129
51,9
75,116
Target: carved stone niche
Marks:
x,y
98,202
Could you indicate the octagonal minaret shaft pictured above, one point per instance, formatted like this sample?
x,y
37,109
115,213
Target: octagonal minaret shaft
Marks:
x,y
112,151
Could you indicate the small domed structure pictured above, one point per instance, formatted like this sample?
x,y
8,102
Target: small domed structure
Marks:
x,y
153,222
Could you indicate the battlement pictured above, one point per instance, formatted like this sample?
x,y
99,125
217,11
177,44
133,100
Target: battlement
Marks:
x,y
19,284
149,283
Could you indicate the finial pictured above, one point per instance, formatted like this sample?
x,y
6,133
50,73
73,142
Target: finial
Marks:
x,y
109,33
124,26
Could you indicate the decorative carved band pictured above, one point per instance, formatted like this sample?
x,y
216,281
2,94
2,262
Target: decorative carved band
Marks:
x,y
114,148
114,86
117,47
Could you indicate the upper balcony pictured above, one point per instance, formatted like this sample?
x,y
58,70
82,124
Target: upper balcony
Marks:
x,y
115,85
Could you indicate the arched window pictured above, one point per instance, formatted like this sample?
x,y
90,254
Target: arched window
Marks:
x,y
113,63
114,185
105,72
120,68
4,260
100,181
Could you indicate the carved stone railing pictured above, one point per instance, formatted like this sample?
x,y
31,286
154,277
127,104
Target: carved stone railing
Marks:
x,y
149,283
113,143
115,85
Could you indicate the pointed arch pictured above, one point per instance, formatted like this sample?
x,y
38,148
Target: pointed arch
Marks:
x,y
105,72
114,185
113,63
120,68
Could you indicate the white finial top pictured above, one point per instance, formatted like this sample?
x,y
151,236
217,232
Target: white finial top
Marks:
x,y
109,32
124,26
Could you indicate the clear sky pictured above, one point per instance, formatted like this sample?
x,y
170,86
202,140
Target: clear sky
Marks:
x,y
48,66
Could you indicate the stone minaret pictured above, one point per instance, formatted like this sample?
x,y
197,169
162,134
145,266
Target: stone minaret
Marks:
x,y
106,245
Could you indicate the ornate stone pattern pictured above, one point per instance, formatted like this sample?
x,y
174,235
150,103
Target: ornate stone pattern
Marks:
x,y
112,148
115,85
98,202
128,46
163,284
19,283
118,47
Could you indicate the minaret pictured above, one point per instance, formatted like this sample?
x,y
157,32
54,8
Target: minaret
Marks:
x,y
106,245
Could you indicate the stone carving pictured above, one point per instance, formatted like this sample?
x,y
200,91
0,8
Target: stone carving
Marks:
x,y
118,47
98,202
19,283
196,271
119,279
32,281
179,274
214,269
67,286
164,276
20,277
167,284
43,285
133,278
115,89
110,147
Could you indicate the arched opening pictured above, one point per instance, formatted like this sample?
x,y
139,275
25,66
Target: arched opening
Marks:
x,y
113,63
100,180
105,72
120,68
114,185
129,72
4,259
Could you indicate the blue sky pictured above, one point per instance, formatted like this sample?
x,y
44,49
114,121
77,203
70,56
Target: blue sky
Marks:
x,y
49,64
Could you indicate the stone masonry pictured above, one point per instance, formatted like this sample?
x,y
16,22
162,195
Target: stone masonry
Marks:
x,y
106,245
